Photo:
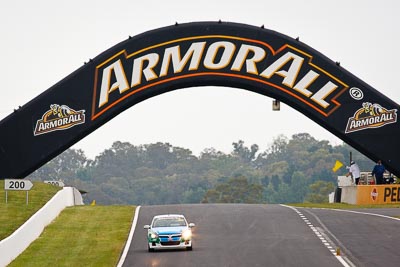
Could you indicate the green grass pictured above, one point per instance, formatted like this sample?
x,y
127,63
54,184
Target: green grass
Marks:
x,y
16,212
342,205
81,236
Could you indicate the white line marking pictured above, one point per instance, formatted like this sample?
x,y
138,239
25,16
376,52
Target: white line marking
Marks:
x,y
342,261
339,258
130,237
367,213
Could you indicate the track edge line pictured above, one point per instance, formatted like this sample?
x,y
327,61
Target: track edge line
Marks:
x,y
130,237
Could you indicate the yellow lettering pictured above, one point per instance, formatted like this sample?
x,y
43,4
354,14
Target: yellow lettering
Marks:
x,y
121,82
326,90
259,54
148,72
174,53
305,82
291,74
228,50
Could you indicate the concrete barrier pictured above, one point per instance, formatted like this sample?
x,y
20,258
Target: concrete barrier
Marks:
x,y
349,194
18,241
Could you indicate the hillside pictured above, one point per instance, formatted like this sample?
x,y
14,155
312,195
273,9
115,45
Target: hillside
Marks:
x,y
16,211
81,236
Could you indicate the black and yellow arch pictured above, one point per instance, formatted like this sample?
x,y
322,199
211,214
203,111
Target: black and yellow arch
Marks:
x,y
199,54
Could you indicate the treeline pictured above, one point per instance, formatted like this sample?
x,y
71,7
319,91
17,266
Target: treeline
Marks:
x,y
295,169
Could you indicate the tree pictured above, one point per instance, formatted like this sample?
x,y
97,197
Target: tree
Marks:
x,y
298,187
120,160
160,173
363,162
245,154
278,147
319,191
159,155
236,190
63,167
283,194
275,182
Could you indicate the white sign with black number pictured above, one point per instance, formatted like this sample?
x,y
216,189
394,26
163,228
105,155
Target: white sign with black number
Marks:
x,y
56,183
17,184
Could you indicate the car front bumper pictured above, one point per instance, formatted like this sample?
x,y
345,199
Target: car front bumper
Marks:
x,y
170,245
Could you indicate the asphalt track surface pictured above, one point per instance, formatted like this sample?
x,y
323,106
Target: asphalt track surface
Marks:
x,y
365,237
237,235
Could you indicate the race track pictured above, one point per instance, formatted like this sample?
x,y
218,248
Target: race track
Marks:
x,y
235,235
368,237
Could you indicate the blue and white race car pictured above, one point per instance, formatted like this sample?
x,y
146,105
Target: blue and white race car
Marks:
x,y
170,231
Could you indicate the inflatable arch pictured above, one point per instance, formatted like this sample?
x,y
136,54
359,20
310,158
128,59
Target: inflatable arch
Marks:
x,y
200,54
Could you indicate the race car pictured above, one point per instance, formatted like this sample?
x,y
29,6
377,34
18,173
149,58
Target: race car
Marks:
x,y
170,231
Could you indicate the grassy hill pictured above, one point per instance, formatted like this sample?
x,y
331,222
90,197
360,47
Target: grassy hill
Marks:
x,y
79,236
16,211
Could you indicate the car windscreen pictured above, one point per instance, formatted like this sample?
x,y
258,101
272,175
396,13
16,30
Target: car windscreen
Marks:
x,y
169,222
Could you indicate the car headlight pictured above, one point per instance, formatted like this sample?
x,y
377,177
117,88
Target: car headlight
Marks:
x,y
187,234
153,235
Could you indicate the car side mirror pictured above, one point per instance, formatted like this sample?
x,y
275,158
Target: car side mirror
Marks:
x,y
146,226
191,225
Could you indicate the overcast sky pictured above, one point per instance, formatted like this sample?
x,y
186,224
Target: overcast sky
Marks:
x,y
43,41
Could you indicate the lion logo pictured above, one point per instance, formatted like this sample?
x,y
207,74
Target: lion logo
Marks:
x,y
370,116
59,117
